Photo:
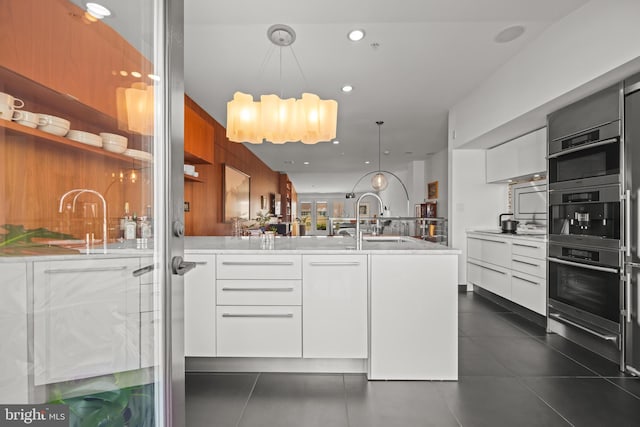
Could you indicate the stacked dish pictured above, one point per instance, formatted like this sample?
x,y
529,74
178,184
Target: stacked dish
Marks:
x,y
114,143
54,125
139,155
85,138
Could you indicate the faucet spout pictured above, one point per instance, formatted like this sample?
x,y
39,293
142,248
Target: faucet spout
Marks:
x,y
358,235
80,191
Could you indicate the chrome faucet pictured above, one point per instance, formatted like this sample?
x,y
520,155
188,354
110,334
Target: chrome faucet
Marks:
x,y
80,191
358,234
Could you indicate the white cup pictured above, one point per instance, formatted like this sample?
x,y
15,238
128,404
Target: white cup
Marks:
x,y
8,104
26,118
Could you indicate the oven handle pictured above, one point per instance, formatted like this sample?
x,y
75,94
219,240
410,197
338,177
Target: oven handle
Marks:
x,y
587,266
627,221
627,296
579,326
582,147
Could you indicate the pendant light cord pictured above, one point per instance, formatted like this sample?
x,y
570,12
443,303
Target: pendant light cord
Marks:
x,y
379,123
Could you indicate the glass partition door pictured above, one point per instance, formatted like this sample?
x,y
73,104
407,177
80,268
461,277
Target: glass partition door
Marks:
x,y
91,180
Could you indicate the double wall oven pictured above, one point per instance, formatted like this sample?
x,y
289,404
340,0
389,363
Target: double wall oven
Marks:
x,y
585,221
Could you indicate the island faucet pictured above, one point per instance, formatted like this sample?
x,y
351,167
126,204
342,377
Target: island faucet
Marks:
x,y
80,191
358,235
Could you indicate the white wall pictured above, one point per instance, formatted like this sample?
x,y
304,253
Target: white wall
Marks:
x,y
436,169
589,49
416,182
472,202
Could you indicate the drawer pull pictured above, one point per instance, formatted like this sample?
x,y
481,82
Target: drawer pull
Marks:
x,y
525,280
526,246
85,270
334,264
259,263
146,269
526,263
488,268
259,289
266,316
487,240
201,262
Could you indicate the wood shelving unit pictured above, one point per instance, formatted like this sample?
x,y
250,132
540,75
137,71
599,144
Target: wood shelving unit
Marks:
x,y
192,178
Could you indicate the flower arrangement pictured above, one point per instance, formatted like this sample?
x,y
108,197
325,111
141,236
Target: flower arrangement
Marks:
x,y
263,219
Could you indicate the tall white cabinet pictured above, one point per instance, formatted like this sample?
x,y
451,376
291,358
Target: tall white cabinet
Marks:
x,y
334,306
13,330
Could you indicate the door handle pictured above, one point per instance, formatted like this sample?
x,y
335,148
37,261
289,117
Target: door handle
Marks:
x,y
180,266
146,269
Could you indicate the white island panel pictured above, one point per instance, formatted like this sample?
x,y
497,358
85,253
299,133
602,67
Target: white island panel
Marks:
x,y
413,317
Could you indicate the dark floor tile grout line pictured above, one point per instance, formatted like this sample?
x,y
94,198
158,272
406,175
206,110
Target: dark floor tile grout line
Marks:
x,y
246,403
346,401
608,379
525,385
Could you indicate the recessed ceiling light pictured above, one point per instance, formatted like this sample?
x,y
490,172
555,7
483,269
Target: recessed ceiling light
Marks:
x,y
356,35
306,163
367,162
136,74
387,152
289,162
347,88
154,77
97,10
336,142
123,73
509,34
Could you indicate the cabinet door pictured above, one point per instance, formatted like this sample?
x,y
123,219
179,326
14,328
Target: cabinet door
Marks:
x,y
200,306
334,306
531,150
259,331
13,330
492,250
83,325
502,162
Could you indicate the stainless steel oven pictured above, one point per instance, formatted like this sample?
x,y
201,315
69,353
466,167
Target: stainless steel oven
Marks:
x,y
591,157
584,288
586,216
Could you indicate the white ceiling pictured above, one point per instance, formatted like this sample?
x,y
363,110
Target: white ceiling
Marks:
x,y
431,54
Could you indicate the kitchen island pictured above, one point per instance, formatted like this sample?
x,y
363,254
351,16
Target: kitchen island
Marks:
x,y
314,304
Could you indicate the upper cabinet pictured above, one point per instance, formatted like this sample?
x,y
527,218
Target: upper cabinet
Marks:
x,y
198,134
522,157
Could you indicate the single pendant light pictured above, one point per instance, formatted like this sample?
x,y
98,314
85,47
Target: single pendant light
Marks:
x,y
379,181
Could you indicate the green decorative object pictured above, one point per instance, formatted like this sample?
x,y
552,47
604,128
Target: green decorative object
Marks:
x,y
18,235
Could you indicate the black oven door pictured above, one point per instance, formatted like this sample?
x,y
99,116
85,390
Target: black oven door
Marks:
x,y
586,159
587,216
583,292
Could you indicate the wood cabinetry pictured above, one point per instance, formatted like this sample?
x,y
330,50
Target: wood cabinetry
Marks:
x,y
13,330
287,193
521,157
198,134
334,306
86,318
511,267
200,307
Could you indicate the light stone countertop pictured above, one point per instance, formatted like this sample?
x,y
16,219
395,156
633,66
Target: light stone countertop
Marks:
x,y
496,232
316,245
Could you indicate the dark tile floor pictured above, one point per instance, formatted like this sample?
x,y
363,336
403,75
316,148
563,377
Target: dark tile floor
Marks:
x,y
511,374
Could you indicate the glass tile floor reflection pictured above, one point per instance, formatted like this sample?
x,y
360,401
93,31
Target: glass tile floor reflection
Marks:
x,y
511,374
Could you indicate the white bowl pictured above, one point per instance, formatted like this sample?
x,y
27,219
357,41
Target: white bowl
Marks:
x,y
114,147
140,155
47,119
117,139
53,129
85,137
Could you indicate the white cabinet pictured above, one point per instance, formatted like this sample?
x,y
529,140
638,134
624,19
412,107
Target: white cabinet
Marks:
x,y
511,267
414,317
200,306
86,318
523,156
334,306
258,311
13,330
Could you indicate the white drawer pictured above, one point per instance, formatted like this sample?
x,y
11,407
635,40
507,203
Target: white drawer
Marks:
x,y
529,291
259,292
492,250
529,248
259,267
266,331
534,266
492,278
